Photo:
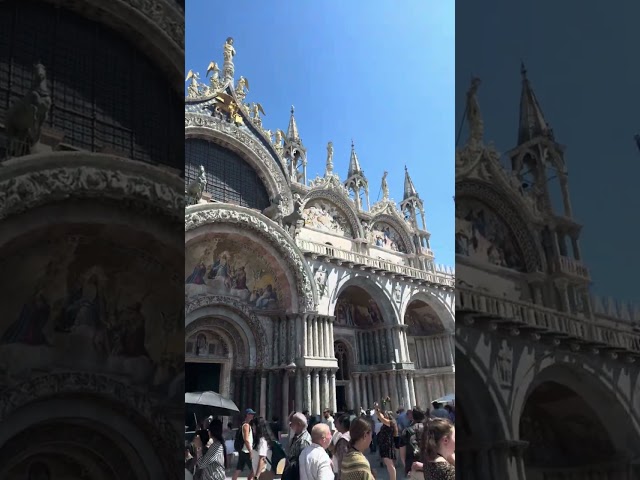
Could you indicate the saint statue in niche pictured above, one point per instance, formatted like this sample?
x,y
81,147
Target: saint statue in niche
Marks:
x,y
201,344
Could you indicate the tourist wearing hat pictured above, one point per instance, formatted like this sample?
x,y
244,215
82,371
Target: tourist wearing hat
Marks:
x,y
244,444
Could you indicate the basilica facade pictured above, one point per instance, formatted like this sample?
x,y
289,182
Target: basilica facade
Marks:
x,y
549,382
299,293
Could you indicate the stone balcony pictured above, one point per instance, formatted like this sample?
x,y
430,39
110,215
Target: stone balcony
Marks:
x,y
440,277
574,268
578,333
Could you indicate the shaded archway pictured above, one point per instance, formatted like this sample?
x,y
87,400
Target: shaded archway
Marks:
x,y
566,437
344,355
480,427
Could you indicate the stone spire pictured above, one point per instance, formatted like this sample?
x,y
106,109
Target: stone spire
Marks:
x,y
295,152
354,164
356,181
412,203
292,129
409,188
532,121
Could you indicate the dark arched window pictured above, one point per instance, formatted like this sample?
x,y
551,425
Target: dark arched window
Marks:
x,y
229,178
106,95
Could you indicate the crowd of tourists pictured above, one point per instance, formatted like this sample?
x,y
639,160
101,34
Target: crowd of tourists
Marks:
x,y
410,444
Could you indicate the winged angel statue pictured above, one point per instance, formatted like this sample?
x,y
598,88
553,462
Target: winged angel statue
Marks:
x,y
194,87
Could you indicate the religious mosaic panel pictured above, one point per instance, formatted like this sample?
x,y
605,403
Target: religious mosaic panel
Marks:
x,y
422,320
483,236
355,308
89,309
324,215
385,236
206,344
237,267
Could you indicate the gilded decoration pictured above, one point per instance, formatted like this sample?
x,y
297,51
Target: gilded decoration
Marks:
x,y
237,267
248,219
483,236
323,215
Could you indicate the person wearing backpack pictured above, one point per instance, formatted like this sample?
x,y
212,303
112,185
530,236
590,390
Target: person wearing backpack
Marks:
x,y
243,444
412,438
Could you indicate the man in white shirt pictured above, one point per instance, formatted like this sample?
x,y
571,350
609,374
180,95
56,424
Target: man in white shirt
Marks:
x,y
328,420
314,463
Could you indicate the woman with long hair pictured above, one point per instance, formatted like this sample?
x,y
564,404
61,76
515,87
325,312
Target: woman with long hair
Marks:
x,y
262,443
438,447
211,463
354,465
388,439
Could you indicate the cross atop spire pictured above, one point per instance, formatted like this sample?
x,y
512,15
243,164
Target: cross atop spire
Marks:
x,y
354,163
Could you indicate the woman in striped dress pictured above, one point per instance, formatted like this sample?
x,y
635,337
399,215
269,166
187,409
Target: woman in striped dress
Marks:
x,y
211,465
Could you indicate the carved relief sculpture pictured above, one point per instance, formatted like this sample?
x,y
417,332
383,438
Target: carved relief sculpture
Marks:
x,y
504,364
228,53
196,188
26,116
329,170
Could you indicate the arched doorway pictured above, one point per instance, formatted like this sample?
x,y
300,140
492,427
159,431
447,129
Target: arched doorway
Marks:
x,y
344,395
365,317
566,437
431,346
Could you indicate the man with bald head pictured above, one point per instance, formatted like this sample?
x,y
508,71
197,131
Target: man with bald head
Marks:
x,y
315,464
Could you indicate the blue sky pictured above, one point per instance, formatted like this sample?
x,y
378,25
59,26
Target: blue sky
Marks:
x,y
582,62
383,76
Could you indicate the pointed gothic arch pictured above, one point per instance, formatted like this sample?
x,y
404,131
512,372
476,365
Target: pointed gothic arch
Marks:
x,y
513,219
343,204
399,226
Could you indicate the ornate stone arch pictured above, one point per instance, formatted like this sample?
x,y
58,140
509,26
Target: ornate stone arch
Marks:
x,y
374,288
504,208
235,318
45,179
433,298
399,226
157,28
200,215
247,146
102,401
618,417
341,202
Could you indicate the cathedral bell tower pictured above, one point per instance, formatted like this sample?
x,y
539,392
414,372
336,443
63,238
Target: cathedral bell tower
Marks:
x,y
538,164
294,152
356,182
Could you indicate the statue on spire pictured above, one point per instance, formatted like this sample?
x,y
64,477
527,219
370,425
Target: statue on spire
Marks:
x,y
228,53
476,126
385,186
329,158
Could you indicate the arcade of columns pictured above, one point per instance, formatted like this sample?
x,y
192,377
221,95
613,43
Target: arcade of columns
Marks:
x,y
302,375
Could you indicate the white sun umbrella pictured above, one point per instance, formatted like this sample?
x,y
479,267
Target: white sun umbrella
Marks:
x,y
449,398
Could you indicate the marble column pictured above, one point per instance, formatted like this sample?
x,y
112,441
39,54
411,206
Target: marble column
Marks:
x,y
275,353
263,394
316,393
350,395
406,391
333,401
316,338
392,346
412,391
331,339
237,385
299,390
355,387
324,384
363,391
360,341
307,405
393,385
321,339
285,394
378,344
307,336
376,387
250,379
371,390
